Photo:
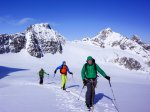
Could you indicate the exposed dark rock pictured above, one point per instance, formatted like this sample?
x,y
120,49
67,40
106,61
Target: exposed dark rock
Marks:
x,y
129,63
34,48
137,39
99,42
12,43
123,47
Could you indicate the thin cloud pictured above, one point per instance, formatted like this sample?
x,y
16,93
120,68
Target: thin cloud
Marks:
x,y
13,21
25,21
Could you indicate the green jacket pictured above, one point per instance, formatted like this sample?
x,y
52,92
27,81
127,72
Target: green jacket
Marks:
x,y
91,72
41,73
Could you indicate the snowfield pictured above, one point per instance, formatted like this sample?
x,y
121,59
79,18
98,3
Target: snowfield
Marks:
x,y
20,91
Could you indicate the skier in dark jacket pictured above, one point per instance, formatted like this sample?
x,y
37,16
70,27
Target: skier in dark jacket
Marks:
x,y
63,70
41,75
89,77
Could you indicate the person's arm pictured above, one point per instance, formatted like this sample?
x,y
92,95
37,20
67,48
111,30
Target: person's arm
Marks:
x,y
59,67
83,75
83,72
45,72
102,72
69,70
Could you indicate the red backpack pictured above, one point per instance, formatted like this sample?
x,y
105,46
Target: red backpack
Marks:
x,y
63,70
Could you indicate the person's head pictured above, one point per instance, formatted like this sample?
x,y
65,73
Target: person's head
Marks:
x,y
41,69
89,60
64,63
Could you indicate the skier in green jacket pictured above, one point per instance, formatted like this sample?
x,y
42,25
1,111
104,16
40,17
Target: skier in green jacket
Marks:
x,y
41,75
89,77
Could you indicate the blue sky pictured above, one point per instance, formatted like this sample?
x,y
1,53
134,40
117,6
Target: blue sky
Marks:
x,y
76,19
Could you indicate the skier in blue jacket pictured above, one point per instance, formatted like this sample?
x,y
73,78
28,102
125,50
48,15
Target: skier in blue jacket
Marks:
x,y
63,70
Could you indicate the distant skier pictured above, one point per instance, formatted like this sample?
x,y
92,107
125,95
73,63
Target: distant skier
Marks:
x,y
41,75
89,77
63,70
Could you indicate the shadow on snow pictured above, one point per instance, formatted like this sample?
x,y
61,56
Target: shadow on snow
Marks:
x,y
4,71
72,86
100,96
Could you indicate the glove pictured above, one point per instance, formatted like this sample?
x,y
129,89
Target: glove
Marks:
x,y
85,81
71,73
107,77
55,72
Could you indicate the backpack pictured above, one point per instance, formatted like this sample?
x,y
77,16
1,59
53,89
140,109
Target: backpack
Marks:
x,y
93,63
41,73
63,70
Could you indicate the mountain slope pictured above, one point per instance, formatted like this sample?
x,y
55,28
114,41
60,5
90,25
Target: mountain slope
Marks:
x,y
115,41
38,39
20,91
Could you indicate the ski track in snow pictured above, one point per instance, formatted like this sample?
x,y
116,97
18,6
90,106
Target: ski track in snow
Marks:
x,y
69,102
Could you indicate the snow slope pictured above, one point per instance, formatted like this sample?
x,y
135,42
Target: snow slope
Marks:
x,y
108,39
20,91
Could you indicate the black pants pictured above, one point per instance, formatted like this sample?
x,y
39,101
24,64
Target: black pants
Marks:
x,y
90,93
41,80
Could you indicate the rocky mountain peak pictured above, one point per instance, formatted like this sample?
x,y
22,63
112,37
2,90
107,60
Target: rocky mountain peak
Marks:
x,y
39,27
106,32
37,39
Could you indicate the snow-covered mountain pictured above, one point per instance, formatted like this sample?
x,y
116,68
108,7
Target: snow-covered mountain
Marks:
x,y
115,41
20,91
108,38
37,39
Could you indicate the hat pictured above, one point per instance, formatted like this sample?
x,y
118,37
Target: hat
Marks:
x,y
63,62
89,58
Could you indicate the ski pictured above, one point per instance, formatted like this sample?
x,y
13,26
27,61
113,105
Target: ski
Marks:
x,y
92,109
89,110
66,90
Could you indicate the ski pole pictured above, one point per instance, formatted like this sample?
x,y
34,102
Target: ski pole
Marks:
x,y
109,83
48,76
81,92
73,79
114,102
54,76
